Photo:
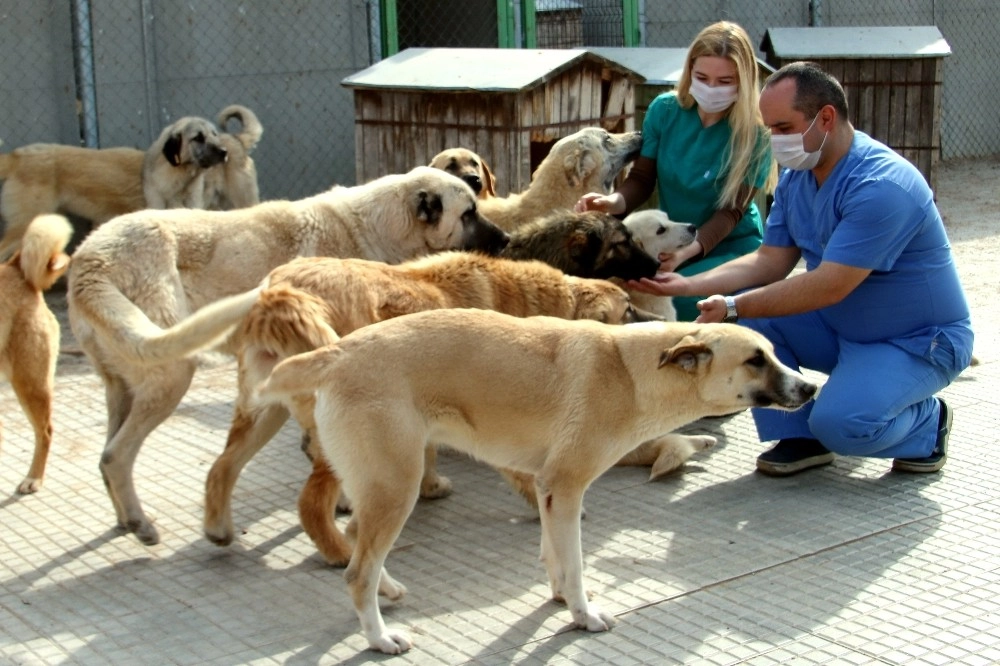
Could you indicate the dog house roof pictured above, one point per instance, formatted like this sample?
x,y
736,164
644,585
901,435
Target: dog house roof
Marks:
x,y
475,70
919,41
658,66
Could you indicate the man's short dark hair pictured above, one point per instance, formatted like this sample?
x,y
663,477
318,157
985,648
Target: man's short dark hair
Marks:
x,y
814,88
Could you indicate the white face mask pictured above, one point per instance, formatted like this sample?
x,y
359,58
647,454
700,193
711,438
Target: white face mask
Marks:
x,y
712,100
789,150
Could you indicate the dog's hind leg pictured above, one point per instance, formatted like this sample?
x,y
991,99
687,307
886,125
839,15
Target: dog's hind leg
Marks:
x,y
381,463
433,485
250,430
317,512
153,401
32,382
560,506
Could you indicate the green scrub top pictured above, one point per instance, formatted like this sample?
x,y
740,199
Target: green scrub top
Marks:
x,y
689,160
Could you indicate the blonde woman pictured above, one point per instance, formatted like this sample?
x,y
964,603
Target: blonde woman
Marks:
x,y
705,147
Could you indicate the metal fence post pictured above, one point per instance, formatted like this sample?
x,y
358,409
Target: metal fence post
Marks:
x,y
83,60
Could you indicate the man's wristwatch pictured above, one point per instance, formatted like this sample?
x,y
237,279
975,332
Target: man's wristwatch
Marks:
x,y
731,316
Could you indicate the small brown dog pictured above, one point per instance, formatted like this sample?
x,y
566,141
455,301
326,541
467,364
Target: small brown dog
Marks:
x,y
470,167
29,332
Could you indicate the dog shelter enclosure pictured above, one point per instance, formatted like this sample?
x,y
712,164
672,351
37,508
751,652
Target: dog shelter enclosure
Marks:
x,y
106,74
509,106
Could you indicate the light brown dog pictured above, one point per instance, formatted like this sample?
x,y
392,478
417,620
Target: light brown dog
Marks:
x,y
233,184
43,178
586,161
29,332
560,400
99,184
470,167
148,270
192,164
309,303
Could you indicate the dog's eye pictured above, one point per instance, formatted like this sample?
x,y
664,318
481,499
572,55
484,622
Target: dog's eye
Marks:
x,y
199,137
661,230
758,360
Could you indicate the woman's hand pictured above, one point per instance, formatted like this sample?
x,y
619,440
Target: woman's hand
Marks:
x,y
613,203
670,262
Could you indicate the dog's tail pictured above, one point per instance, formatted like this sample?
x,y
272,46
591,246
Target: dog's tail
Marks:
x,y
286,321
302,373
251,129
42,258
142,341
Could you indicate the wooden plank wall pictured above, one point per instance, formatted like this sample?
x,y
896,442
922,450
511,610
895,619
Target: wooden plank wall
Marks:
x,y
898,102
512,131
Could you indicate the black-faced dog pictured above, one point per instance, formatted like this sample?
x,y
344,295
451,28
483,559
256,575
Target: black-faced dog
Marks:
x,y
591,245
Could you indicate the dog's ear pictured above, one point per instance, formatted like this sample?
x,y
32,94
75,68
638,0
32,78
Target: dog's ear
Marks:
x,y
578,167
430,208
489,180
172,148
687,354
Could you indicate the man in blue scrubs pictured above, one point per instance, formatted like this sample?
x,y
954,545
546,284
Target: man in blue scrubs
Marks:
x,y
880,308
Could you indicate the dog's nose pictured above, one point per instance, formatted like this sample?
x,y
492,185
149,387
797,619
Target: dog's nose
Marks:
x,y
475,182
692,229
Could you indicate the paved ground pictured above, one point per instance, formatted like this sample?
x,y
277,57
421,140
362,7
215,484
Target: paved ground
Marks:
x,y
850,564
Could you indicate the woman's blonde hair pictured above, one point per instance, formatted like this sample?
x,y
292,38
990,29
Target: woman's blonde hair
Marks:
x,y
747,145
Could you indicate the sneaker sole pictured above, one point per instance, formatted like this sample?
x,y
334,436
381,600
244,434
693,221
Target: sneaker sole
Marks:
x,y
787,469
916,467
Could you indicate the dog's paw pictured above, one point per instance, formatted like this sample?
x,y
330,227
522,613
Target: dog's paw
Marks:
x,y
701,442
391,642
389,587
435,487
675,450
29,486
592,618
145,532
221,538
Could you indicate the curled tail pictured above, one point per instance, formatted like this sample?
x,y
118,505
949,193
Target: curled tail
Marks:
x,y
299,374
286,321
42,258
251,130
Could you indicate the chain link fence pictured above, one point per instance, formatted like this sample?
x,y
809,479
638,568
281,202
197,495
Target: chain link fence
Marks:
x,y
107,73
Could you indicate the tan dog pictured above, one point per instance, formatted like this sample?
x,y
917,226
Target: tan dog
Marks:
x,y
233,184
470,167
560,400
661,237
586,161
173,173
310,303
148,270
29,332
99,184
43,178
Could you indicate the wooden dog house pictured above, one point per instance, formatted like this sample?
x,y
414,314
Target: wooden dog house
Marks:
x,y
892,77
508,105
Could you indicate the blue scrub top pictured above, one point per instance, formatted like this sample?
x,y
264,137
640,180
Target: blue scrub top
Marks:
x,y
875,211
689,162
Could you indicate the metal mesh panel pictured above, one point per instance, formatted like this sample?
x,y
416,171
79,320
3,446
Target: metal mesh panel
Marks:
x,y
149,62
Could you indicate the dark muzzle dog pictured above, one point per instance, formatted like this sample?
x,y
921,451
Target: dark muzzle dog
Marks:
x,y
590,245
